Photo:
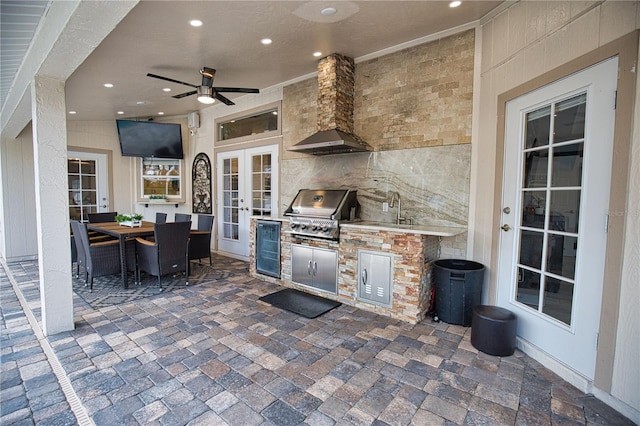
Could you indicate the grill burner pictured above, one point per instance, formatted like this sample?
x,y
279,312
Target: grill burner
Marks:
x,y
318,212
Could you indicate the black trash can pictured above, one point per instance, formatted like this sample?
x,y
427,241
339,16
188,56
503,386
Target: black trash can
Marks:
x,y
458,289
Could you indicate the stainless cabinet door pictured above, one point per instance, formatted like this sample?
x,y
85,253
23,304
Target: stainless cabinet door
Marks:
x,y
302,265
325,266
375,277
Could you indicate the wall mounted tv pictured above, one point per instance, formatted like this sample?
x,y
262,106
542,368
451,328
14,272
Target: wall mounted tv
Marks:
x,y
150,139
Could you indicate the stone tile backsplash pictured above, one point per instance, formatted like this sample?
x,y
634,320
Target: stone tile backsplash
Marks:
x,y
433,183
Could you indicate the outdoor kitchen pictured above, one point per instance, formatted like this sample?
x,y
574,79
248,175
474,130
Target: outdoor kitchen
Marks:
x,y
323,248
379,192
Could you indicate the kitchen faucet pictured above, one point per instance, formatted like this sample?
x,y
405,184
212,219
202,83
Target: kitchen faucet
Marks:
x,y
395,196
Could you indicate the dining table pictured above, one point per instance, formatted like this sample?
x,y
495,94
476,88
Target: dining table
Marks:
x,y
123,233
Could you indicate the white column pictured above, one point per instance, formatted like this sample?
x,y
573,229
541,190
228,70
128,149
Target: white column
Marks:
x,y
52,204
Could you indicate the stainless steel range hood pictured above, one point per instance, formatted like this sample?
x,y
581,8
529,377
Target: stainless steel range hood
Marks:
x,y
335,128
330,142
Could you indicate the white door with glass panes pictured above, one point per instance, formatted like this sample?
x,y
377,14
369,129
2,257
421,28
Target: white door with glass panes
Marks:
x,y
88,182
557,174
247,182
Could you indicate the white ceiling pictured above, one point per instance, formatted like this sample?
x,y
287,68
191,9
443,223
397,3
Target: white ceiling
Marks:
x,y
156,37
19,20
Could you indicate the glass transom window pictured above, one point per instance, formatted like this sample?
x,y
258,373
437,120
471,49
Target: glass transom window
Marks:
x,y
259,123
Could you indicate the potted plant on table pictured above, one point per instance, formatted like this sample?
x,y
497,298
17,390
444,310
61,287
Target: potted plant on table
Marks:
x,y
130,219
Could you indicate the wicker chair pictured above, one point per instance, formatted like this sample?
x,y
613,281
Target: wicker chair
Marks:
x,y
182,217
168,253
200,241
102,217
161,217
74,256
96,258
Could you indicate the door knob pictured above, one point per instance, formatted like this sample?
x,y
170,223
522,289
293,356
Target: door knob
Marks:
x,y
505,227
507,210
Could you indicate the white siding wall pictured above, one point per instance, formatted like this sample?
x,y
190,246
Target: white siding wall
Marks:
x,y
554,34
625,374
18,219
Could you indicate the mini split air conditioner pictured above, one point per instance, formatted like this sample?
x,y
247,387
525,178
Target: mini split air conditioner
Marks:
x,y
193,120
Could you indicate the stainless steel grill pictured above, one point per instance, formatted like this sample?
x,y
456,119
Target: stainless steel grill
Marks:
x,y
318,212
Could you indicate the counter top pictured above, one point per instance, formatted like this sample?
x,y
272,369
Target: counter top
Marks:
x,y
438,231
277,219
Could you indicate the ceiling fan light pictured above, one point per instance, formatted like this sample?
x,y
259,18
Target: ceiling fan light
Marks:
x,y
206,99
205,95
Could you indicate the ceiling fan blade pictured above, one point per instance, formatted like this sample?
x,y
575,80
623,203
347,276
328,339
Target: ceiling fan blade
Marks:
x,y
222,99
184,95
236,89
170,79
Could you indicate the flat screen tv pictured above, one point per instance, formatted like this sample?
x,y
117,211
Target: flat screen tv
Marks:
x,y
150,139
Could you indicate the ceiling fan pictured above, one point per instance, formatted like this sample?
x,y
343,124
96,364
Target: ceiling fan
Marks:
x,y
207,94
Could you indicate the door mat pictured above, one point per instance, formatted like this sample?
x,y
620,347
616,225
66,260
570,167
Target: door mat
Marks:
x,y
298,302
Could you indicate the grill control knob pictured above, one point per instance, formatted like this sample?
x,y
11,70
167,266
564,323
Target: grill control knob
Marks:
x,y
294,225
325,229
303,226
315,228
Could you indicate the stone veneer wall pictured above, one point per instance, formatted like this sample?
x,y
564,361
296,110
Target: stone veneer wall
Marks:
x,y
418,97
421,96
335,93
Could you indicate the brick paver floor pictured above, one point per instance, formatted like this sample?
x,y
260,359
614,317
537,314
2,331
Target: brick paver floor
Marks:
x,y
213,354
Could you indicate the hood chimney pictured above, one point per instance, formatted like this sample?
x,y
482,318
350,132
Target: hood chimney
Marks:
x,y
336,88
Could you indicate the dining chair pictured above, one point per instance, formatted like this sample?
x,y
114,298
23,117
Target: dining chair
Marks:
x,y
200,239
96,258
74,250
167,254
102,217
182,217
161,217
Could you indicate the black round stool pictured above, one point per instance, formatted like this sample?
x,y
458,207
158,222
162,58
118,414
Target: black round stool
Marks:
x,y
493,330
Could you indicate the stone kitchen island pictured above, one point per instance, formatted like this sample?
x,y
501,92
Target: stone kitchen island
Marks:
x,y
380,267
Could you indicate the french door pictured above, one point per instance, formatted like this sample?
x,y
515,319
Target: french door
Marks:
x,y
557,174
247,183
88,181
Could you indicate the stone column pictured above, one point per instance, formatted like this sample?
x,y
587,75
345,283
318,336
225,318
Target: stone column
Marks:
x,y
52,204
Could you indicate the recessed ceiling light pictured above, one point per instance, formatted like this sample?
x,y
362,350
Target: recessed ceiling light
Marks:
x,y
140,103
266,41
72,112
108,85
120,112
316,54
166,89
455,3
195,23
328,11
160,113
